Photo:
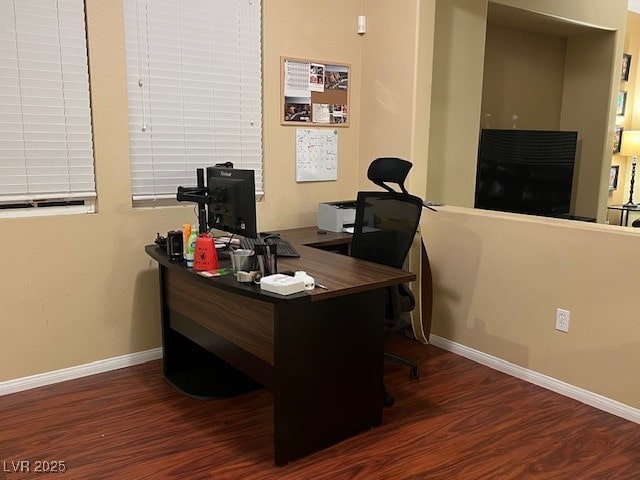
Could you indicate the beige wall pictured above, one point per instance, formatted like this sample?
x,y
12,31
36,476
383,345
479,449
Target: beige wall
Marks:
x,y
396,96
323,31
631,119
524,76
458,62
500,277
587,102
388,62
80,288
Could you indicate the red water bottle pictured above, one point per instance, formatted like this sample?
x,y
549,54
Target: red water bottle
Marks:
x,y
205,257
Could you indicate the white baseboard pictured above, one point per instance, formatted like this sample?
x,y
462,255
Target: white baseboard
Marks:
x,y
99,366
585,396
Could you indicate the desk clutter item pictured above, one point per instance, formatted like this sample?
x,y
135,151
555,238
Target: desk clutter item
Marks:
x,y
174,245
282,284
205,257
284,248
336,216
309,282
242,260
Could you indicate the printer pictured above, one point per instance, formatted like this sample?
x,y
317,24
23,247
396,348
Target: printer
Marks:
x,y
337,216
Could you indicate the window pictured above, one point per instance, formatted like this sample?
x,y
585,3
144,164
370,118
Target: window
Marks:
x,y
195,90
46,148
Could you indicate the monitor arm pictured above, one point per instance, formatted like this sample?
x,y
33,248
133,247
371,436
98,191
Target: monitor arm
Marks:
x,y
199,195
193,194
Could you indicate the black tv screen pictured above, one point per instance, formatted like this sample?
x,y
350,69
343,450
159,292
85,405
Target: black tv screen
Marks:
x,y
525,171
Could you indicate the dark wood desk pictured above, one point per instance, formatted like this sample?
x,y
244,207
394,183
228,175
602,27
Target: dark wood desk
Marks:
x,y
319,352
341,242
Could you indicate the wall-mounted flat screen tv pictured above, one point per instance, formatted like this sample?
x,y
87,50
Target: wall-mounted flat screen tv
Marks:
x,y
526,171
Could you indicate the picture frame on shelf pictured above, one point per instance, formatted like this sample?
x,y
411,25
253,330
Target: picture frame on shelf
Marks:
x,y
621,103
617,139
626,66
613,177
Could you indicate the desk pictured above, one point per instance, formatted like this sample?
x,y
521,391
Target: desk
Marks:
x,y
320,353
341,242
624,212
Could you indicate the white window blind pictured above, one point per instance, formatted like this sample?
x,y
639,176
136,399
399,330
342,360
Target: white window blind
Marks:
x,y
194,81
46,147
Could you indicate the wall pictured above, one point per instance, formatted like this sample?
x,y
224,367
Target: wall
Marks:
x,y
460,46
630,121
458,64
590,72
80,288
396,96
323,31
387,82
500,277
518,61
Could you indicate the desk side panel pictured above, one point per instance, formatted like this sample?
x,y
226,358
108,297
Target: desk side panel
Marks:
x,y
329,365
244,321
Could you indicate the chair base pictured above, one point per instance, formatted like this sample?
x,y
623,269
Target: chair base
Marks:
x,y
414,372
387,399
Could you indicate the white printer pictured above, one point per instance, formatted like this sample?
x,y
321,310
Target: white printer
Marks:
x,y
336,216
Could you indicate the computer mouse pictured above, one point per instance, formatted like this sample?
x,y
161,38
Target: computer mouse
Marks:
x,y
321,232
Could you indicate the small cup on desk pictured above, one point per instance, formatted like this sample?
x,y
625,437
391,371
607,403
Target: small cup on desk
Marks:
x,y
242,260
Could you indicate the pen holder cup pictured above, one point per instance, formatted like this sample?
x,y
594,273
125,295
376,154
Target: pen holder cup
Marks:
x,y
242,260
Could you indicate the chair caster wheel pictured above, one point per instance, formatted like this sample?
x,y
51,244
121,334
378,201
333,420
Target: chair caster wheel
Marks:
x,y
387,399
414,373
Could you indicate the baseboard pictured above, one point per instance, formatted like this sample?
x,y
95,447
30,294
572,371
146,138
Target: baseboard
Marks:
x,y
585,396
100,366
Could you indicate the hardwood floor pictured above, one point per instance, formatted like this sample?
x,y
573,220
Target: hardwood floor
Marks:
x,y
461,420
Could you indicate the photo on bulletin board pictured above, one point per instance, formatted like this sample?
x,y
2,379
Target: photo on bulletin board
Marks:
x,y
314,93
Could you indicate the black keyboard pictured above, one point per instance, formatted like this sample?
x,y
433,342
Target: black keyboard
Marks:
x,y
283,249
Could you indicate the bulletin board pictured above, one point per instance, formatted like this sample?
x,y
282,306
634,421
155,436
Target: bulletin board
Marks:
x,y
314,93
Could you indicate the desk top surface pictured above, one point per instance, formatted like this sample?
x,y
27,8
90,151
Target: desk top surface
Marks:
x,y
341,274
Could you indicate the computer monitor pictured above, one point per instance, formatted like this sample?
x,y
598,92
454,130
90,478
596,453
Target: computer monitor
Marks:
x,y
232,200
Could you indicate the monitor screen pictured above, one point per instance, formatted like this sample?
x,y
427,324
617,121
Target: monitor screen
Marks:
x,y
233,200
525,171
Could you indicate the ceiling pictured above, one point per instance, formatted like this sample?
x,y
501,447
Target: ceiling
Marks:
x,y
499,14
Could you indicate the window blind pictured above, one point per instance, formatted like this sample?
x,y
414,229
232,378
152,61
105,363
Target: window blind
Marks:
x,y
194,82
46,147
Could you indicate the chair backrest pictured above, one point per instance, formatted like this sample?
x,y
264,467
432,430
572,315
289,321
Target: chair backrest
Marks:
x,y
386,222
389,170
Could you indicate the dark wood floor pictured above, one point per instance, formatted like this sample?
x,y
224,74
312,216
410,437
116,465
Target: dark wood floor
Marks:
x,y
461,420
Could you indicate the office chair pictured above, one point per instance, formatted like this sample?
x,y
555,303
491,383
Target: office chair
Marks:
x,y
636,223
385,226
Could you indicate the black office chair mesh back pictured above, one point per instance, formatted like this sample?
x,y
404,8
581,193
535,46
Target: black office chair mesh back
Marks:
x,y
385,226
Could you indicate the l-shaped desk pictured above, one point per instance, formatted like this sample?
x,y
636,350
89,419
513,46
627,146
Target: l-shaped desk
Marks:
x,y
319,352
